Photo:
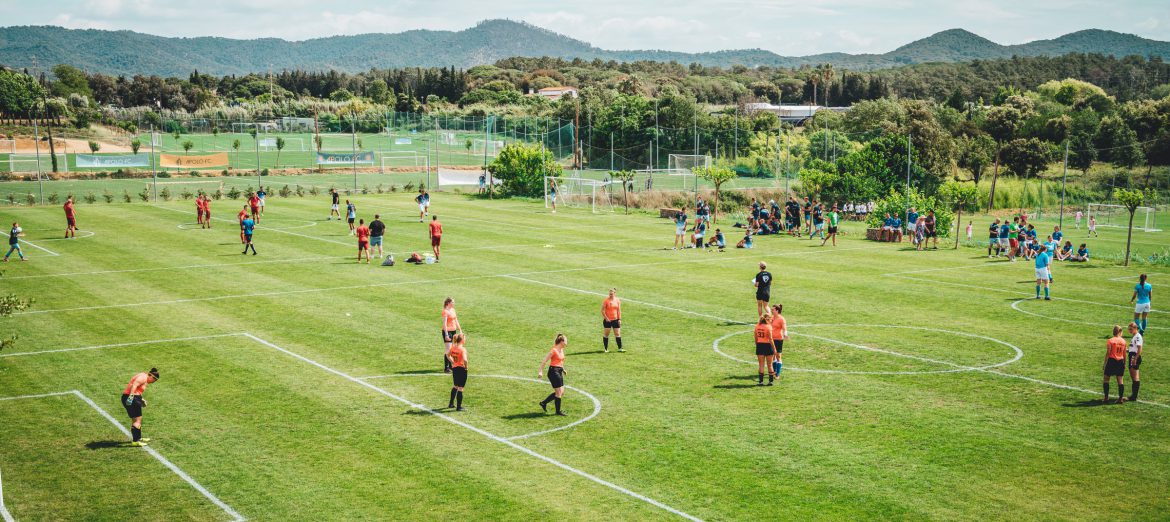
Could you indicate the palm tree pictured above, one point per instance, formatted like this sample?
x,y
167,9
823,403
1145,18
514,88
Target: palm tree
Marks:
x,y
279,147
236,147
827,78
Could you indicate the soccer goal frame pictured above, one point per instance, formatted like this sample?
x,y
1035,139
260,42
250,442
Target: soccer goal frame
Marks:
x,y
493,146
576,192
1117,216
683,164
7,146
29,163
402,160
269,144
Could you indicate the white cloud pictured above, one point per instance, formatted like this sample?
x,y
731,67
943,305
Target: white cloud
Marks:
x,y
1149,24
854,38
68,21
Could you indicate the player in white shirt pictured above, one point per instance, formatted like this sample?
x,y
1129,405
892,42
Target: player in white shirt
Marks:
x,y
1135,359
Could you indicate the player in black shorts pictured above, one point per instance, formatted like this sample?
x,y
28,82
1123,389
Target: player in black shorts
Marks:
x,y
763,284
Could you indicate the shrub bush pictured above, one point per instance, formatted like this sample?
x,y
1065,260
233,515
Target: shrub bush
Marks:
x,y
313,190
90,198
233,193
186,194
106,195
300,191
285,191
54,198
30,199
165,194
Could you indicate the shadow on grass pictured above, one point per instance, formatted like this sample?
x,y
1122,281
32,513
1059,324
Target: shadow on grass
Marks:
x,y
1088,404
594,352
741,377
733,386
106,444
527,415
418,372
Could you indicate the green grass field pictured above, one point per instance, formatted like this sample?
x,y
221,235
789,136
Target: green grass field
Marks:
x,y
298,384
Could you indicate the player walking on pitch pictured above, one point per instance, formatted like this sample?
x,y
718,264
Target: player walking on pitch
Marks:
x,y
377,229
246,227
1115,364
133,402
351,216
436,231
611,318
14,235
1141,293
363,238
556,373
763,284
457,357
451,328
241,217
779,335
1043,277
70,219
834,220
199,210
336,201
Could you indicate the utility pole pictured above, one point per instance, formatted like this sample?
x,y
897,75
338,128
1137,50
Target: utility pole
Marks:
x,y
611,151
353,157
37,143
909,145
1063,180
576,131
154,163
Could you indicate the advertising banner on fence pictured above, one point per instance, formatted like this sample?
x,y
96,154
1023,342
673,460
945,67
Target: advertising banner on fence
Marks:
x,y
193,162
345,158
93,161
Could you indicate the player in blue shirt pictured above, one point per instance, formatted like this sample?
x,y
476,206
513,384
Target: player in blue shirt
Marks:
x,y
1141,294
351,216
680,229
1042,277
1057,235
247,226
896,226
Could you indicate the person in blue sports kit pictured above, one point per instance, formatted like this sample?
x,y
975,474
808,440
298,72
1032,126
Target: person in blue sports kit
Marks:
x,y
14,235
1141,294
1042,279
1051,247
1004,240
247,226
1057,235
680,228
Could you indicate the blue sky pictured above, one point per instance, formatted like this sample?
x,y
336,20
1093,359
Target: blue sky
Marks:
x,y
788,27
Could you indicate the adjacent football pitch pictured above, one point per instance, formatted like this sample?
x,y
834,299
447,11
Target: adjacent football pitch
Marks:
x,y
299,385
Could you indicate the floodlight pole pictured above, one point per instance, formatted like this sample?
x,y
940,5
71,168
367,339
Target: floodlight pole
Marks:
x,y
1063,180
611,151
256,141
353,145
37,143
909,144
154,164
787,162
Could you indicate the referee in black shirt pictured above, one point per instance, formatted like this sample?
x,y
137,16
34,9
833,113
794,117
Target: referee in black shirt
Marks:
x,y
763,283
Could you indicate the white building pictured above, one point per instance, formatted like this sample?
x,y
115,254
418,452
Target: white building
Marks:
x,y
555,93
791,113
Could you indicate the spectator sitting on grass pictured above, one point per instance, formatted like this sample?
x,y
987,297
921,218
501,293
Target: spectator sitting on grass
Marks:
x,y
1082,254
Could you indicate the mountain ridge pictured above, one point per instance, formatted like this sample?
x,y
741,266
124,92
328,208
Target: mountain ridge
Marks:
x,y
125,52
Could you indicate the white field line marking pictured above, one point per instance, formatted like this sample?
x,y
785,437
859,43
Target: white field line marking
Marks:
x,y
993,289
730,321
4,514
487,434
86,233
624,299
1016,307
958,367
260,226
119,345
961,267
183,267
596,402
30,243
236,517
425,281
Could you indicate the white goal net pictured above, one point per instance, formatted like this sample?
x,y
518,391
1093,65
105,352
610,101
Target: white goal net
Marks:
x,y
7,146
29,163
1144,218
682,164
493,146
290,144
405,162
596,195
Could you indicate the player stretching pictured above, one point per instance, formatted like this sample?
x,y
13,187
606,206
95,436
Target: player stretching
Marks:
x,y
1043,278
363,237
246,227
1141,293
556,373
779,335
1115,364
457,357
450,326
70,219
133,402
763,284
1135,360
436,235
611,318
241,217
765,350
14,236
336,200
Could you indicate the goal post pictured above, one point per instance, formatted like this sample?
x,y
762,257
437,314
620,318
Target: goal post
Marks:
x,y
7,146
576,192
1144,218
404,160
290,144
30,163
683,164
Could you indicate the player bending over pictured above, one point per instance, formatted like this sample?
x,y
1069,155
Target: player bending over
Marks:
x,y
133,402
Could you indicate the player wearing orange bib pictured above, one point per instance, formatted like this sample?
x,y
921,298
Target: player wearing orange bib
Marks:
x,y
765,350
199,210
457,358
1115,364
780,334
363,237
556,373
611,319
450,326
133,402
436,231
241,217
206,211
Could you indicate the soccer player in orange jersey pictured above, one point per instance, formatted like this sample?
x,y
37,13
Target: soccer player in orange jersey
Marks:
x,y
363,237
1115,364
436,235
450,325
241,217
199,210
779,335
133,402
70,218
765,350
206,211
556,373
611,319
457,358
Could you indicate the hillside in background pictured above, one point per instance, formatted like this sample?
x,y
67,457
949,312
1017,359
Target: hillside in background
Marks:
x,y
130,53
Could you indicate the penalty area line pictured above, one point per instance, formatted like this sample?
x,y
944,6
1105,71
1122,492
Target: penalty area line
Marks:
x,y
4,514
479,431
31,244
